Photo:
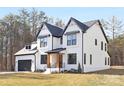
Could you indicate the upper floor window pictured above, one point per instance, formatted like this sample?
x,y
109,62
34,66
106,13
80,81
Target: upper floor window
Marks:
x,y
95,41
102,45
43,42
61,40
105,46
71,39
28,47
72,58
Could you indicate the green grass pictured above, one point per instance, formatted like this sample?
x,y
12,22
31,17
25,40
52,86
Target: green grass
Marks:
x,y
107,77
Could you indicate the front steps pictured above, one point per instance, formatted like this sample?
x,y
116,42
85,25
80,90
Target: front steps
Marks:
x,y
52,70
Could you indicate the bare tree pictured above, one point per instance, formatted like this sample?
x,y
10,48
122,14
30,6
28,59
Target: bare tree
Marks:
x,y
115,27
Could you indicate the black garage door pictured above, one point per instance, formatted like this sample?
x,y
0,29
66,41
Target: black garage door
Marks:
x,y
24,65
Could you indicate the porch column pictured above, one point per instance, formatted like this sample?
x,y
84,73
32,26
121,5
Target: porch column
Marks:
x,y
58,61
48,60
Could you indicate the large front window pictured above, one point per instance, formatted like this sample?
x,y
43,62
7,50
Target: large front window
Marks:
x,y
71,39
43,42
72,58
43,59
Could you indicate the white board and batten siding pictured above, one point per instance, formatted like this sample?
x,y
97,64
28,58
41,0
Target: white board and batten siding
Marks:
x,y
44,31
98,55
73,48
85,43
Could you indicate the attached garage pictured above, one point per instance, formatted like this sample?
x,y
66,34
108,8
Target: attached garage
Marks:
x,y
24,65
25,59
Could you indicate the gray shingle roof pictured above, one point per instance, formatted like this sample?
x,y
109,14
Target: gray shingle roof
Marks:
x,y
58,32
54,30
85,25
57,50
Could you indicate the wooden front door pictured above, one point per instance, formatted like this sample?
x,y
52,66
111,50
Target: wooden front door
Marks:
x,y
60,60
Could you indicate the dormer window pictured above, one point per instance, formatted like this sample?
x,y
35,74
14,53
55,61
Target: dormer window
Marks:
x,y
43,42
28,47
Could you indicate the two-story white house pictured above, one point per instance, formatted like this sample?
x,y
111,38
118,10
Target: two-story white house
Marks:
x,y
58,49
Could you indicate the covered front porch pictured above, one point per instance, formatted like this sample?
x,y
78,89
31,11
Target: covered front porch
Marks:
x,y
55,60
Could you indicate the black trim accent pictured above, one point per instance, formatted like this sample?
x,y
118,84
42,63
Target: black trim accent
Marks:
x,y
35,61
82,54
72,32
52,42
54,30
43,36
103,31
57,50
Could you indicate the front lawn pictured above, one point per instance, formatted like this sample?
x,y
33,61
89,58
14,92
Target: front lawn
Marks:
x,y
107,77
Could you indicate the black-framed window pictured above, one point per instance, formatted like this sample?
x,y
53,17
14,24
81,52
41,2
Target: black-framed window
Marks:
x,y
72,58
84,58
105,47
96,42
105,61
102,45
90,59
71,39
43,59
43,42
61,40
28,47
108,61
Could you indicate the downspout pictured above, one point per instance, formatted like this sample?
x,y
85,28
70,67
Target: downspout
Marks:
x,y
52,42
82,53
35,61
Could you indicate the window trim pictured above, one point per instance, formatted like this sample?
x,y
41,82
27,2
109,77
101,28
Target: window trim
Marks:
x,y
108,61
91,59
85,58
28,47
95,42
45,42
105,61
101,45
105,47
75,59
61,40
73,40
41,60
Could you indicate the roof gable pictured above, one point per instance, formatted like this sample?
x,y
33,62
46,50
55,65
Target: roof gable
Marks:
x,y
86,25
82,26
54,30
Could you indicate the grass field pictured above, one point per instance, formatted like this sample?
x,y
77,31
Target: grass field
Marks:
x,y
108,77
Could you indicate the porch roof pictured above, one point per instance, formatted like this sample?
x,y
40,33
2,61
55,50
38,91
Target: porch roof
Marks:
x,y
57,50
